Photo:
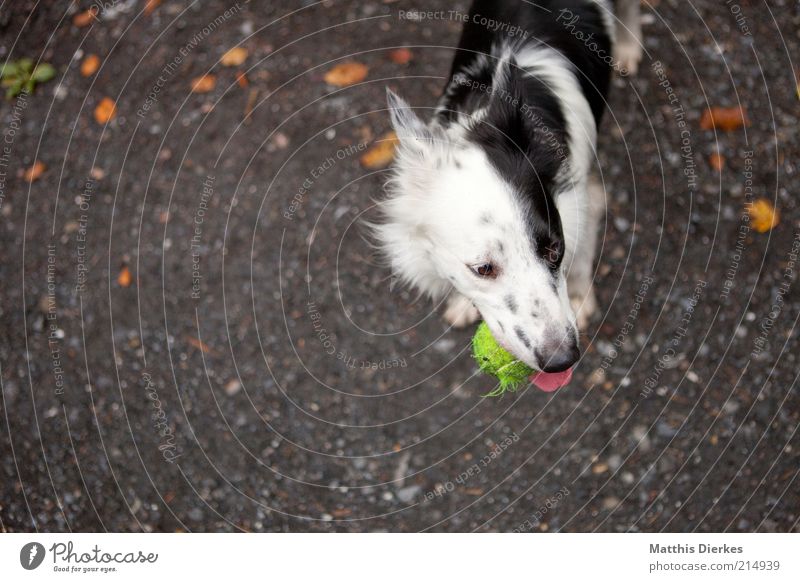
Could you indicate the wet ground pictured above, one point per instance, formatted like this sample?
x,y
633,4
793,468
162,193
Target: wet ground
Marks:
x,y
196,335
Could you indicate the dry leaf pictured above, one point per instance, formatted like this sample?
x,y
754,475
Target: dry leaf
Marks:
x,y
234,57
204,84
124,278
345,74
381,153
90,65
401,56
85,18
150,6
724,118
763,215
241,80
716,161
198,344
105,111
36,170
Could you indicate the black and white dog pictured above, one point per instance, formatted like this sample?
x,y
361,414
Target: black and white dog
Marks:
x,y
493,202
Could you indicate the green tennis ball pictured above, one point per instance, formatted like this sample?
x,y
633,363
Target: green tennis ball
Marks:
x,y
493,359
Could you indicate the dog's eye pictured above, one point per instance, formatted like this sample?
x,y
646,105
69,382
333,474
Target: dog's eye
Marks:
x,y
487,270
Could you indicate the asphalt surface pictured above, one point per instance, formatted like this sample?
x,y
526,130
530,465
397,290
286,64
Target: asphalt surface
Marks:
x,y
260,372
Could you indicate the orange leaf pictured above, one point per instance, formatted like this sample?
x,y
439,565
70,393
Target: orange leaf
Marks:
x,y
90,65
401,56
150,6
105,111
124,278
36,170
764,215
85,18
724,118
241,80
204,84
345,74
716,161
381,153
234,57
198,344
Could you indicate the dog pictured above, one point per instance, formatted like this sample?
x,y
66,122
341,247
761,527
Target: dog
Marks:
x,y
493,203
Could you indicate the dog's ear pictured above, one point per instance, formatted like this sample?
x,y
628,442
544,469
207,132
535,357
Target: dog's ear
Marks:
x,y
410,129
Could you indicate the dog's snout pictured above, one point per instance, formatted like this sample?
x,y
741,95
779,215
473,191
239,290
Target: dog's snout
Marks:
x,y
558,353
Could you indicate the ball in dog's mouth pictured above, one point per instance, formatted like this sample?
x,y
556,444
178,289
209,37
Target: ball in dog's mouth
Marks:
x,y
551,381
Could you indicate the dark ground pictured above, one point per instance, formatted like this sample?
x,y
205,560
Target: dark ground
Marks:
x,y
272,432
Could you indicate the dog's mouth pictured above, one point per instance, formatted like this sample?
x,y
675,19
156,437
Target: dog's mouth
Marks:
x,y
545,381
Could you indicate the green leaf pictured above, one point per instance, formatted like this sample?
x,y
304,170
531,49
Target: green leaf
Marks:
x,y
43,72
25,64
9,70
30,85
14,90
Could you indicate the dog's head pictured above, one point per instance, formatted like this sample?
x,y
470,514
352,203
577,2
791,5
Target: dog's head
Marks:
x,y
472,207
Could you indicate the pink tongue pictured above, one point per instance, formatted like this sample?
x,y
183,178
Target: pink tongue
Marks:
x,y
551,381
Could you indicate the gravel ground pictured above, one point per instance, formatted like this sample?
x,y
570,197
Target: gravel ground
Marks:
x,y
260,372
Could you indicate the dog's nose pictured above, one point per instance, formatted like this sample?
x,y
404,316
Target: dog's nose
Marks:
x,y
559,353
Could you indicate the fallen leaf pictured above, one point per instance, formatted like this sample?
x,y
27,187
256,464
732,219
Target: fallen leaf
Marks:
x,y
85,18
599,468
150,6
716,161
198,344
763,215
234,57
241,80
204,84
345,74
124,278
105,111
401,56
724,118
381,153
474,491
90,65
344,512
37,169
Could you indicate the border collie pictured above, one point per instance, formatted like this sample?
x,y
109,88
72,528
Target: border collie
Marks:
x,y
493,202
